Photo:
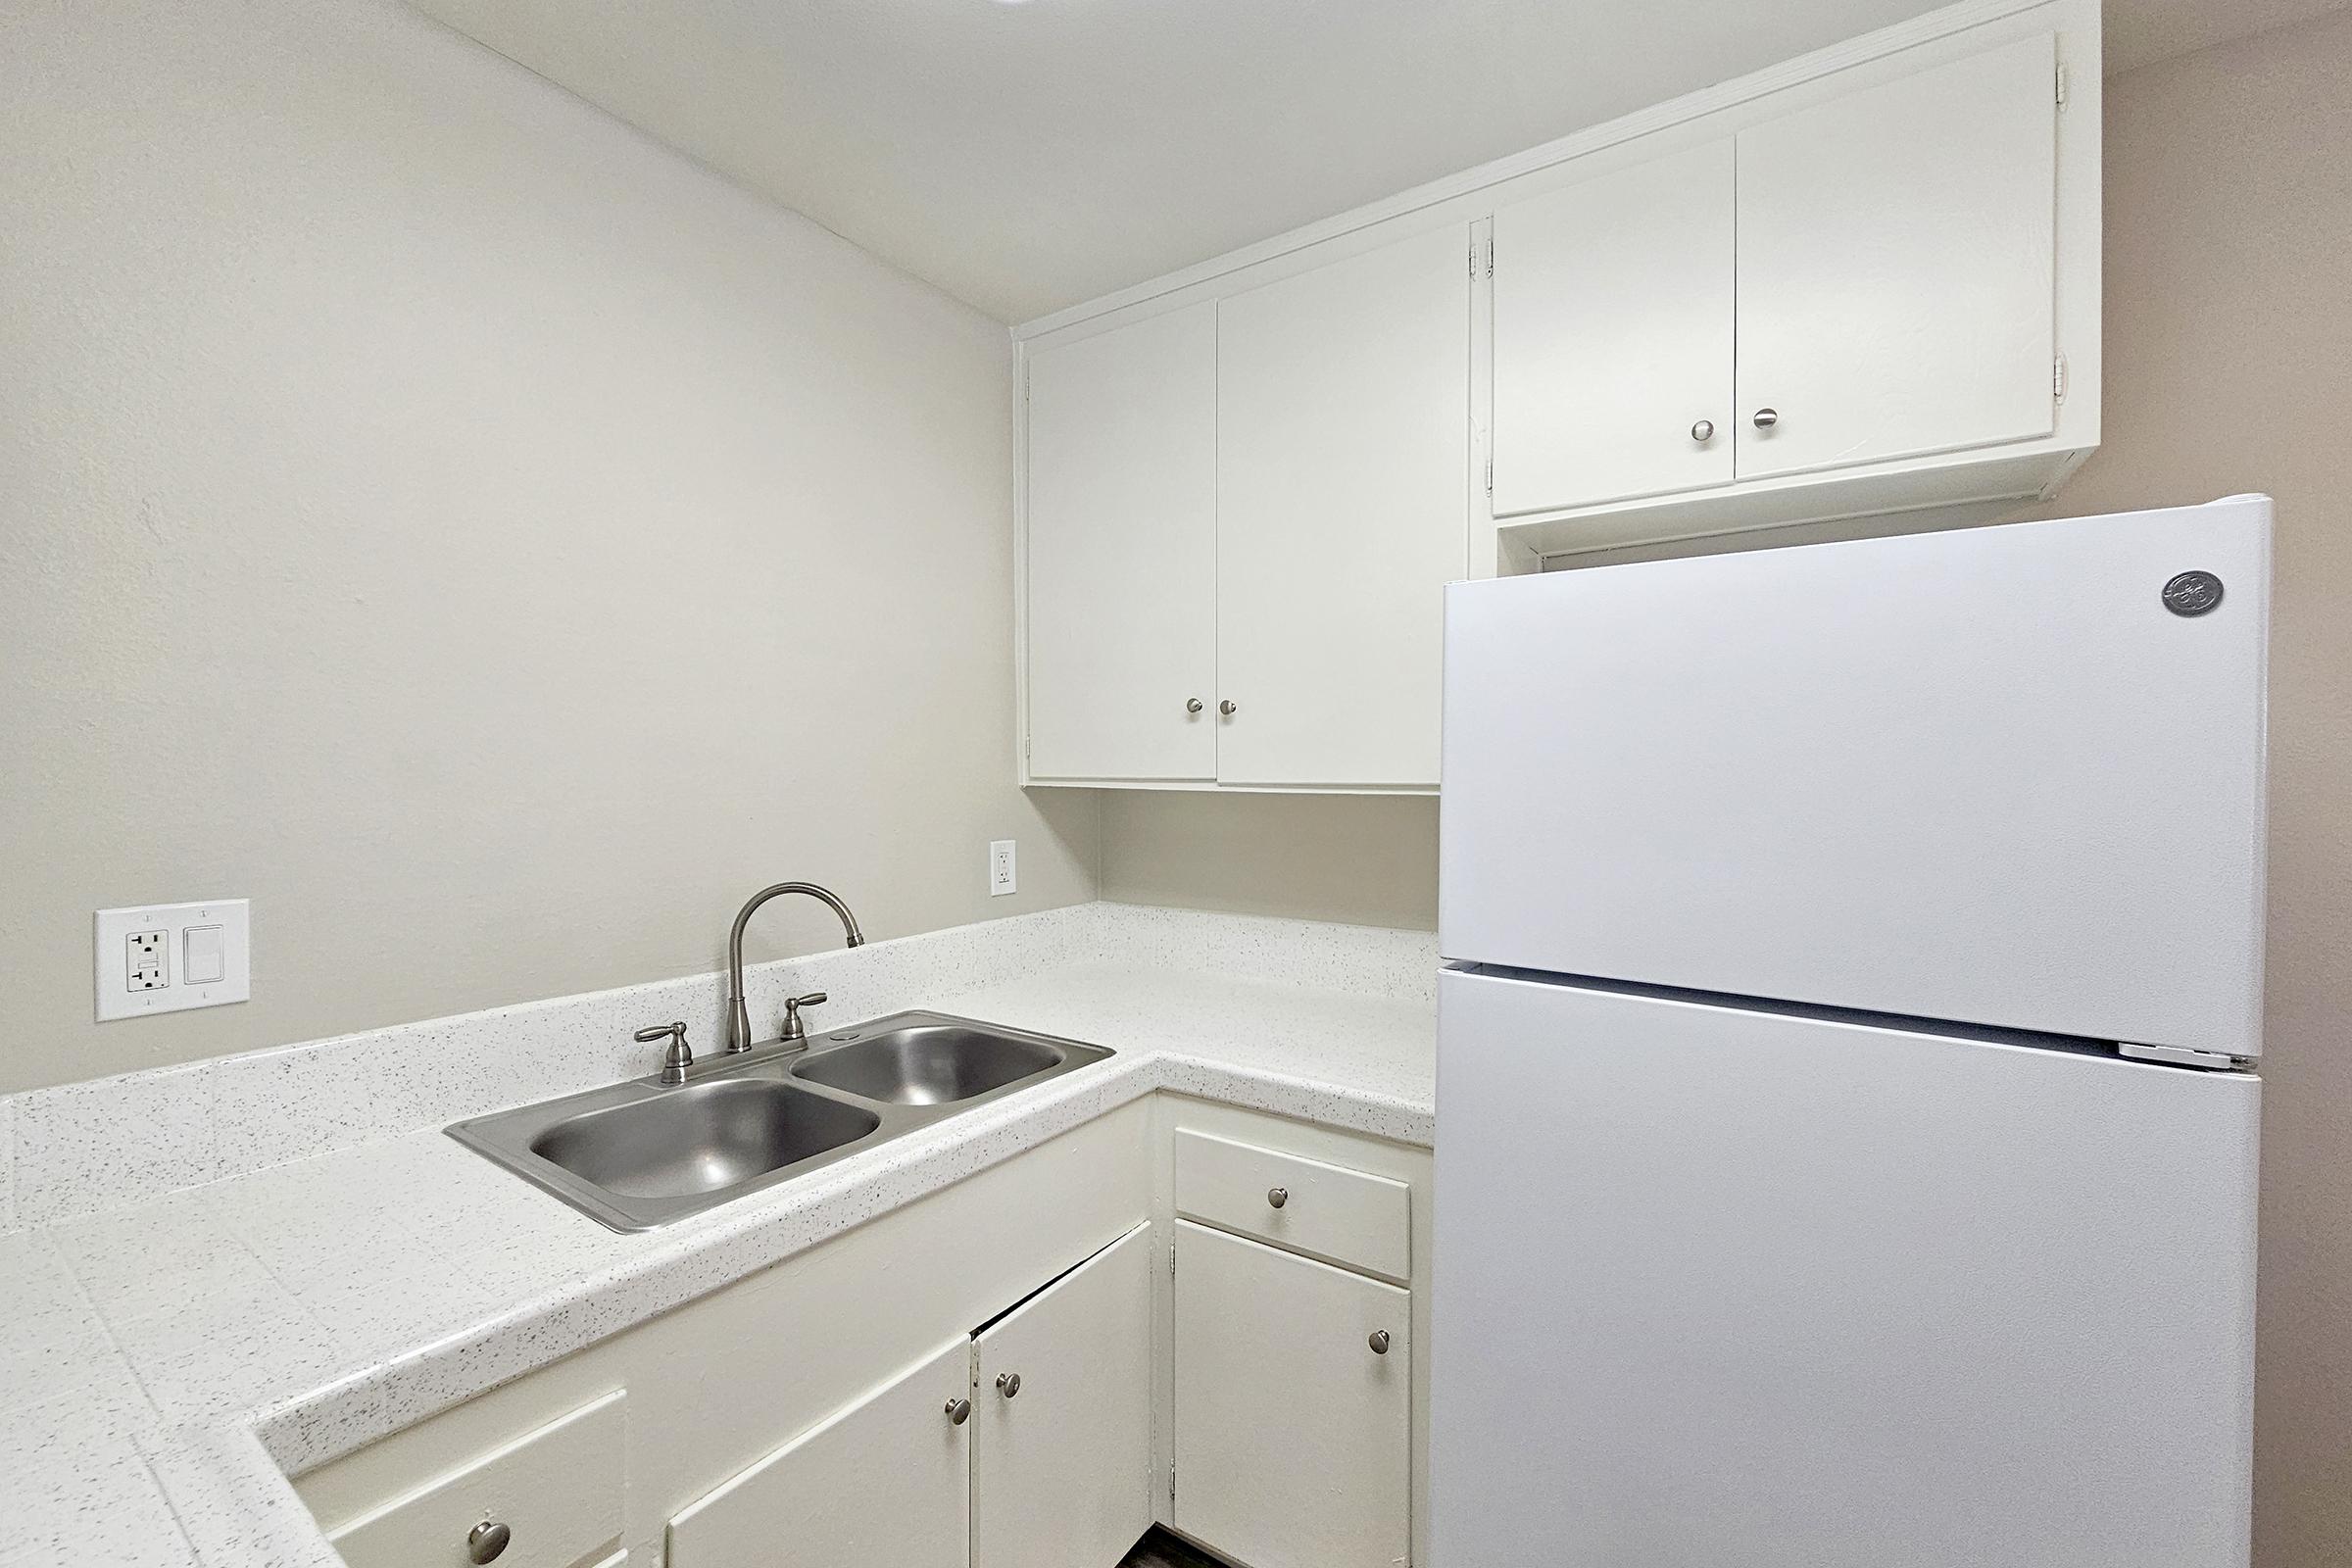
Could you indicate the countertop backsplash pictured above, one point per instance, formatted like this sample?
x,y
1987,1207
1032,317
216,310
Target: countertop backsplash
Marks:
x,y
109,1143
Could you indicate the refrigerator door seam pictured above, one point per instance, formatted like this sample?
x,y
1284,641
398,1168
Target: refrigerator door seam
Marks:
x,y
2183,1056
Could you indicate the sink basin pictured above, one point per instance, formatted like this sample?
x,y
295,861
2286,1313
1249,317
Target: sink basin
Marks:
x,y
701,1138
931,1063
643,1154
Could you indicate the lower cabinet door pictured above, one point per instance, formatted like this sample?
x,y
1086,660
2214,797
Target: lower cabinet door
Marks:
x,y
1062,1454
1292,1429
550,1498
883,1482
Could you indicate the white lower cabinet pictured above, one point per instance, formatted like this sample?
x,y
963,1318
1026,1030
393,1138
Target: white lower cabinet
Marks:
x,y
547,1498
1294,1407
884,1480
1026,1443
843,1408
1061,1446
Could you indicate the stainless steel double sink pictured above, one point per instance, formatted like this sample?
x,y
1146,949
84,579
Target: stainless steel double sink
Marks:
x,y
640,1155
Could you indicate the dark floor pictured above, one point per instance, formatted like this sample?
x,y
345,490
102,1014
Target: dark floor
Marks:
x,y
1160,1549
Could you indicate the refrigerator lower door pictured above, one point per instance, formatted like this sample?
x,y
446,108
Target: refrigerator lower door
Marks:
x,y
1718,1288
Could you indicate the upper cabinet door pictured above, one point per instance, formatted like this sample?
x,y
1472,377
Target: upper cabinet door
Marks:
x,y
1061,1467
1122,467
1342,509
1896,284
1613,335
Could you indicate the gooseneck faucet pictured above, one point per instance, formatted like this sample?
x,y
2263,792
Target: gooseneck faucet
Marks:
x,y
739,1017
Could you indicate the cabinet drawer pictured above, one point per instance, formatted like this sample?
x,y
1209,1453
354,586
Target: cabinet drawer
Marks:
x,y
557,1490
1326,1211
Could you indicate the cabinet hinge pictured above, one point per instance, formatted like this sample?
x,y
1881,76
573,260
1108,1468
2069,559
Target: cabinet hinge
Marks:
x,y
1481,258
2058,379
1490,476
1025,746
1171,1482
1171,1260
2061,85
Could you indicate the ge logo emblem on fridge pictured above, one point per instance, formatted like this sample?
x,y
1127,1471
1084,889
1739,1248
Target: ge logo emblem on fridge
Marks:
x,y
2192,593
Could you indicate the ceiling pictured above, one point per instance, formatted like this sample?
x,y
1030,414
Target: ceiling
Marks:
x,y
1030,156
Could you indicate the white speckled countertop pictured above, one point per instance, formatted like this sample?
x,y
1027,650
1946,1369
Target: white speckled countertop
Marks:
x,y
164,1365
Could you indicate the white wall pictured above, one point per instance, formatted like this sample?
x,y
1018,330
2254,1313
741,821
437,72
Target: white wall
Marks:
x,y
487,540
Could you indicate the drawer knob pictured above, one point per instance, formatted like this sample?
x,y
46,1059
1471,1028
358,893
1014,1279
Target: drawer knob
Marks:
x,y
1192,704
485,1541
1008,1384
959,1411
1229,707
1379,1342
1704,431
1278,1195
1766,418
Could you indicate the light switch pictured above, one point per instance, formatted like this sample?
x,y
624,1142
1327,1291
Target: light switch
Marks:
x,y
165,958
204,962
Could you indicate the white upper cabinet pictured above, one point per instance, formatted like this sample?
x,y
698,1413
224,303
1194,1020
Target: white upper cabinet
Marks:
x,y
1860,288
1342,510
1613,335
1121,558
1896,267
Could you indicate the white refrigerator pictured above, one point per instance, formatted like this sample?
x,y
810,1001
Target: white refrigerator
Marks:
x,y
1846,1121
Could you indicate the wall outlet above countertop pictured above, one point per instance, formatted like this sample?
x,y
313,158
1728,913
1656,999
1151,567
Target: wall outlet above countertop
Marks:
x,y
169,958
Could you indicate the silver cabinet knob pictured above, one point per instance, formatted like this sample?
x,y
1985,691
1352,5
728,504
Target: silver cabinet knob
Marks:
x,y
485,1541
1008,1384
1766,418
1192,704
1704,431
1379,1342
1278,1195
1229,707
959,1411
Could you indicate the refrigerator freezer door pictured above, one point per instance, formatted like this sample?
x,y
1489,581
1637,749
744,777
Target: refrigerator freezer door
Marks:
x,y
1986,775
1722,1288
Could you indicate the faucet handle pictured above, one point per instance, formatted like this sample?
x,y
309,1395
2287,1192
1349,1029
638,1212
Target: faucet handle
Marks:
x,y
678,1057
793,1028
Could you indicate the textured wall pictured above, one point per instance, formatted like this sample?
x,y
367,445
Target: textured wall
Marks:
x,y
2229,368
487,540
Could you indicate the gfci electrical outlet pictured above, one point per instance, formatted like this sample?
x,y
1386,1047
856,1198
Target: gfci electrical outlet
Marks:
x,y
999,868
168,958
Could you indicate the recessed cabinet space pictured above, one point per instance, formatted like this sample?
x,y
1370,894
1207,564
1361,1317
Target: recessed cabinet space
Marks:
x,y
1867,278
1240,516
1121,629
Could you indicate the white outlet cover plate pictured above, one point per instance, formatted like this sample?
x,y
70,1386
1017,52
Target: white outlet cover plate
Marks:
x,y
1001,878
114,929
